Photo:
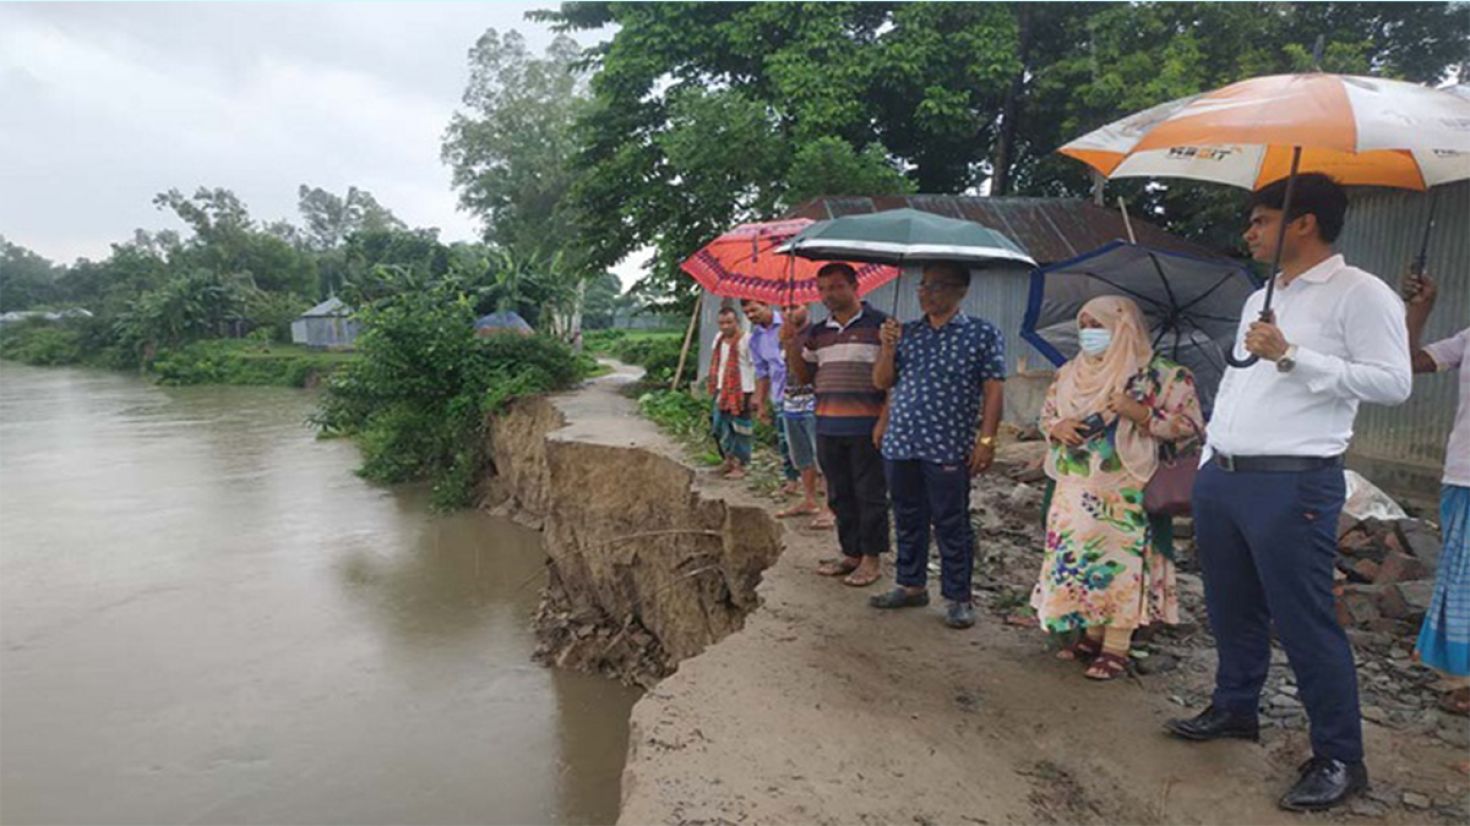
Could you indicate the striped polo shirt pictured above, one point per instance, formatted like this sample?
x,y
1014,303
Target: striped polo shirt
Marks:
x,y
847,402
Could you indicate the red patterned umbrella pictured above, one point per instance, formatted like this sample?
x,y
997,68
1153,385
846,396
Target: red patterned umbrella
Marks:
x,y
743,263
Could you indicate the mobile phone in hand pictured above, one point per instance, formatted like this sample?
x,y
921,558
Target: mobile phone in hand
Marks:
x,y
1092,426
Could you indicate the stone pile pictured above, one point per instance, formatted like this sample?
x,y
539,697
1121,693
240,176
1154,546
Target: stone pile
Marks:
x,y
1385,576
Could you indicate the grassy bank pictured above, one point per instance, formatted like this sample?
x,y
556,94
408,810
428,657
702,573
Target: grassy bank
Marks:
x,y
236,361
211,361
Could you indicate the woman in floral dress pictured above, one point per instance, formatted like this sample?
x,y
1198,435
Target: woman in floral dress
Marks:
x,y
1106,416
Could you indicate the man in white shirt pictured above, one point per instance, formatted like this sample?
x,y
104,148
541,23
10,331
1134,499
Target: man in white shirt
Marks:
x,y
1269,492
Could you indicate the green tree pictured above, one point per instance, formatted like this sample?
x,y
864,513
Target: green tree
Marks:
x,y
510,147
328,219
227,240
200,304
26,279
956,95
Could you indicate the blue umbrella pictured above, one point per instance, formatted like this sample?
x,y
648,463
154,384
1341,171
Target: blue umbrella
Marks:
x,y
1192,305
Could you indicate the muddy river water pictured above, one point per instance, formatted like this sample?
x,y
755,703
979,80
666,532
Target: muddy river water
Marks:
x,y
205,617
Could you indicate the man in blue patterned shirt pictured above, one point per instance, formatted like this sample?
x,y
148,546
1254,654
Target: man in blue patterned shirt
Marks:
x,y
936,370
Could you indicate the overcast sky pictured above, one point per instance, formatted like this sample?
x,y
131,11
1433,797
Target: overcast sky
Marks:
x,y
104,105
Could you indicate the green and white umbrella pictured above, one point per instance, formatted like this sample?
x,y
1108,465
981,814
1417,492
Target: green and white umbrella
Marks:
x,y
899,236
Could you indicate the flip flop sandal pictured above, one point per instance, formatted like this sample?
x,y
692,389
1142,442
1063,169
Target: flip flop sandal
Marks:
x,y
836,567
822,523
1083,649
1106,667
796,510
854,581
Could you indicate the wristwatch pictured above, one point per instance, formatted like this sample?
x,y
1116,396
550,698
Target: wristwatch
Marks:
x,y
1288,360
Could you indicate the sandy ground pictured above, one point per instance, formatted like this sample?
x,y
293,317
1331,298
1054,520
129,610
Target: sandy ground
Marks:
x,y
823,710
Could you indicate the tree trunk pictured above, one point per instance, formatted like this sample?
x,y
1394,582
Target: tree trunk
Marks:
x,y
1005,145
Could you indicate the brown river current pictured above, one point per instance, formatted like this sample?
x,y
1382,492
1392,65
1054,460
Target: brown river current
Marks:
x,y
205,617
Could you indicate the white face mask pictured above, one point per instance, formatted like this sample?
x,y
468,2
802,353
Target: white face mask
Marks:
x,y
1094,340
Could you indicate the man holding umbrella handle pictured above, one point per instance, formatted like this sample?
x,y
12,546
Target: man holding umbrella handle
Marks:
x,y
1271,485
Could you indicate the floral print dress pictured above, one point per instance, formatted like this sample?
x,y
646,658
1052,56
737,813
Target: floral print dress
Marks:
x,y
1100,567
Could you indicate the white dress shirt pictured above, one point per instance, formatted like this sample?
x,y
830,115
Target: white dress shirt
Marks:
x,y
1352,346
1449,354
746,366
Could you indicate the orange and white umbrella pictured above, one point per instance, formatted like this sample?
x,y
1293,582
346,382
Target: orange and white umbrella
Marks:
x,y
1359,130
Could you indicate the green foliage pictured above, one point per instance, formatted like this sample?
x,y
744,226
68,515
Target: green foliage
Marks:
x,y
419,392
272,313
656,353
41,343
26,279
678,412
954,95
830,166
197,305
245,361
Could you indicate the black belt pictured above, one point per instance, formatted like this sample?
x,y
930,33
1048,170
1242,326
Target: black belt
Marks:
x,y
1276,464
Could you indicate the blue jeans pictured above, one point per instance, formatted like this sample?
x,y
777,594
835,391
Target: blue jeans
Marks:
x,y
800,430
788,468
925,494
1267,544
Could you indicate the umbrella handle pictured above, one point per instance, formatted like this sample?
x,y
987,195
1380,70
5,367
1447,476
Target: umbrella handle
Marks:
x,y
1230,359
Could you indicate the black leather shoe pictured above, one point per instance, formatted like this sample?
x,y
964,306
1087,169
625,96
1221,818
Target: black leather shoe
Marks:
x,y
1213,724
1325,783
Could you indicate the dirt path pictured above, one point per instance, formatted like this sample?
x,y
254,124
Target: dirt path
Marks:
x,y
822,710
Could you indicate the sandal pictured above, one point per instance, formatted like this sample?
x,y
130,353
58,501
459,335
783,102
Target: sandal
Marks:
x,y
1107,666
1456,702
798,510
823,522
836,567
1085,648
853,580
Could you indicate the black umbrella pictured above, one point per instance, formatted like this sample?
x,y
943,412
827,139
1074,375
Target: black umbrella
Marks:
x,y
1192,305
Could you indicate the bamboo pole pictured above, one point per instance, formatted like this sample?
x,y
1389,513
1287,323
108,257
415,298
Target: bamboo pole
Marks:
x,y
688,337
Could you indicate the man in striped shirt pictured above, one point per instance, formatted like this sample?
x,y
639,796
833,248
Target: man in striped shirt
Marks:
x,y
836,357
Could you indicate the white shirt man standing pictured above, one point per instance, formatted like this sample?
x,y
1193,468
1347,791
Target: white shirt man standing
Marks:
x,y
1270,490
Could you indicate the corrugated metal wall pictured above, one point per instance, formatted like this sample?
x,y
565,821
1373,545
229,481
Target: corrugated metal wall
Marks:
x,y
1383,233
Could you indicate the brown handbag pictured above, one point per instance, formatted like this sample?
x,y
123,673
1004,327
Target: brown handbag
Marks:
x,y
1167,492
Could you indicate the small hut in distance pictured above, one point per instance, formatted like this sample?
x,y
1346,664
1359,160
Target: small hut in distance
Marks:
x,y
505,321
328,325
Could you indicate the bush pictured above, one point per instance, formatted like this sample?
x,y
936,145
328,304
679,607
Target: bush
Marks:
x,y
42,343
656,353
418,394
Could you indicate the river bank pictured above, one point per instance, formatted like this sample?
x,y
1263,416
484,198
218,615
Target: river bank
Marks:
x,y
810,707
243,362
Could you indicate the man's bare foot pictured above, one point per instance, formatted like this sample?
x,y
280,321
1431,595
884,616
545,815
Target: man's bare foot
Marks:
x,y
837,567
866,574
736,472
825,521
791,488
798,510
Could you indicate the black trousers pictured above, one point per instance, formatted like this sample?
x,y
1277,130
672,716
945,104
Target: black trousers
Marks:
x,y
856,492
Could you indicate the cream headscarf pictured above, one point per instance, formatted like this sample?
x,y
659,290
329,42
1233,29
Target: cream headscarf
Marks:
x,y
1085,383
